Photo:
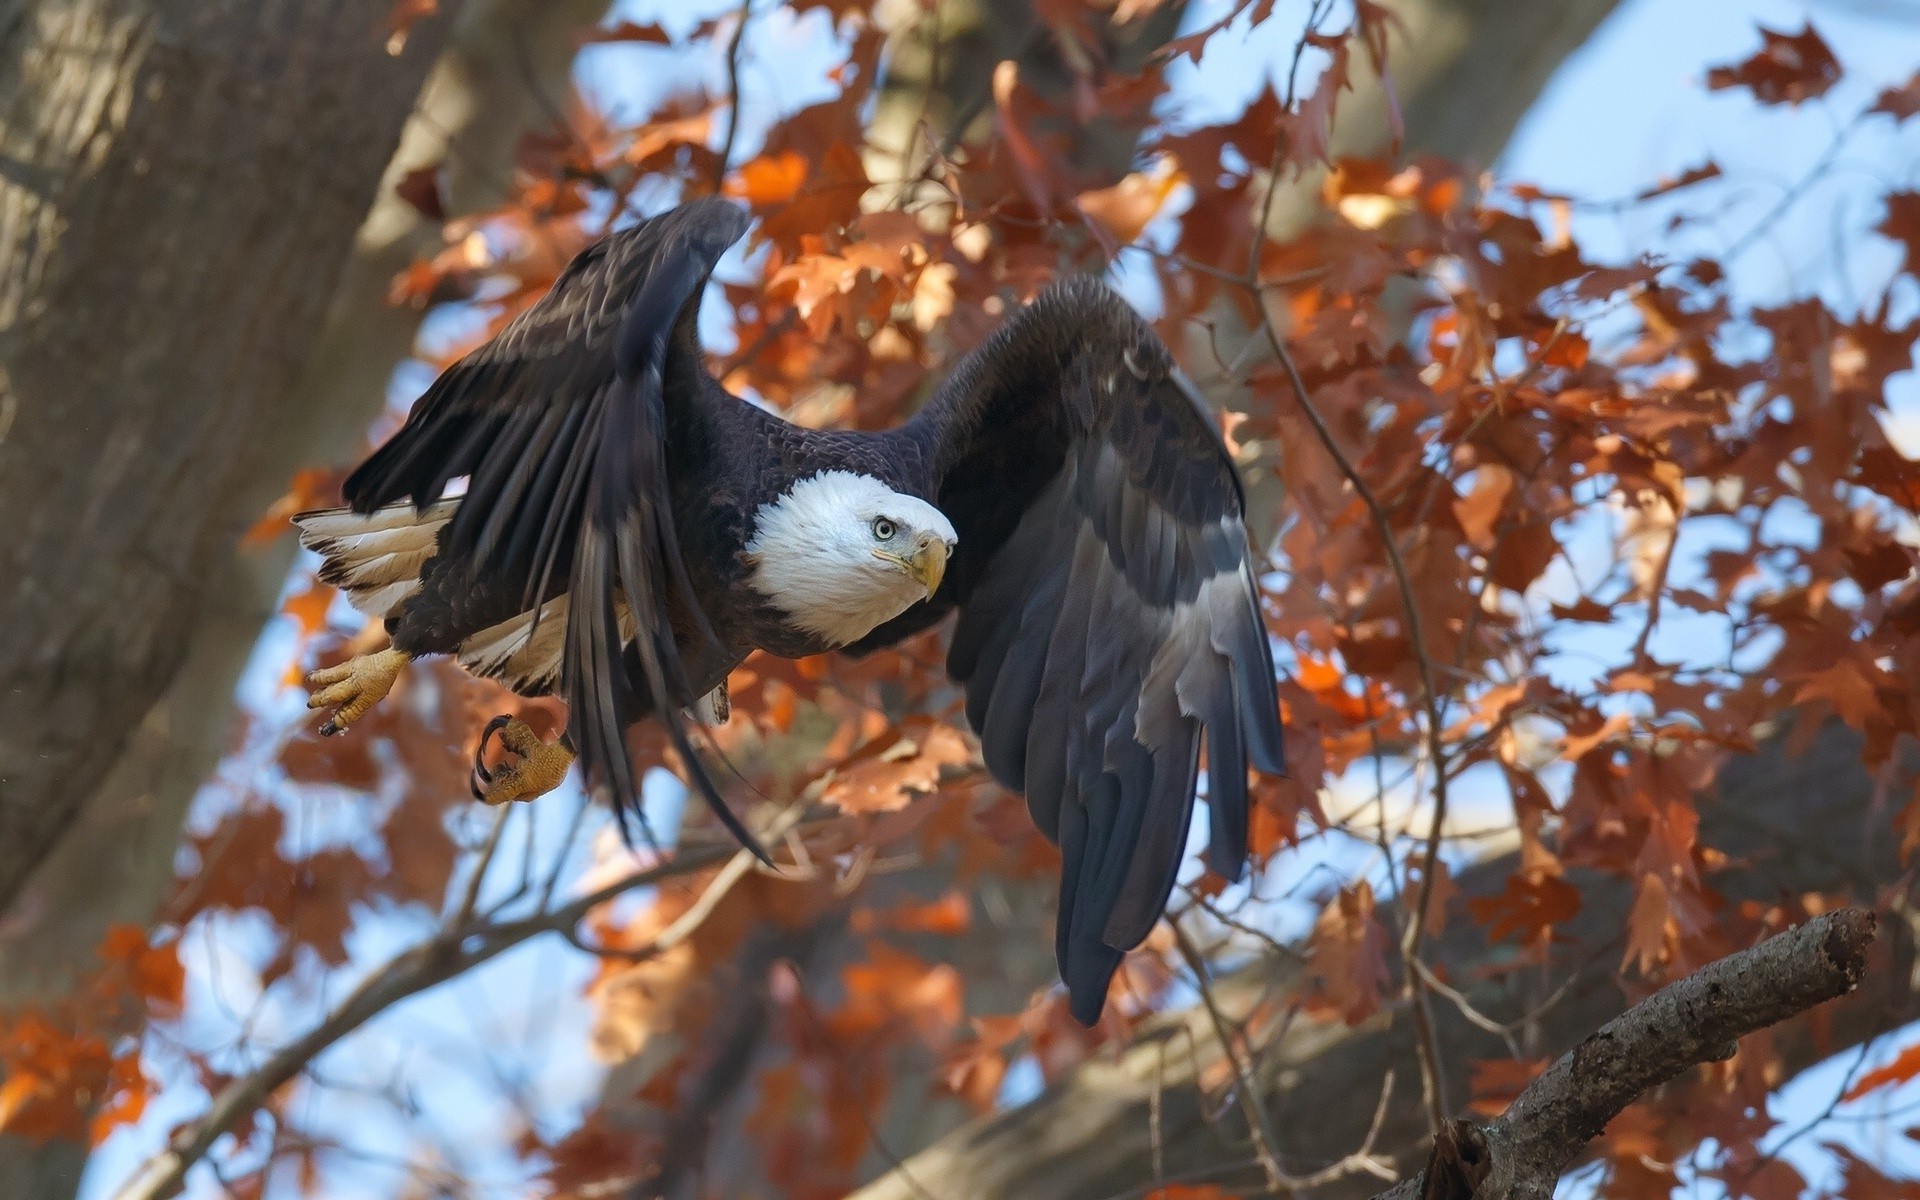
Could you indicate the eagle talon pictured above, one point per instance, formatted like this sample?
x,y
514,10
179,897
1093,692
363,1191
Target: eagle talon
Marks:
x,y
539,768
353,687
481,777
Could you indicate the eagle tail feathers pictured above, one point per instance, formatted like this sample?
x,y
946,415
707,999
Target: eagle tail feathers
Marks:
x,y
375,558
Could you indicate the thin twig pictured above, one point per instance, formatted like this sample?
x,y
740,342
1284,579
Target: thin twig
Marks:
x,y
1433,1081
464,913
733,95
1432,1074
1264,1144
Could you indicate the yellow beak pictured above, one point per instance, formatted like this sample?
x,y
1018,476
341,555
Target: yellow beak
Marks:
x,y
927,564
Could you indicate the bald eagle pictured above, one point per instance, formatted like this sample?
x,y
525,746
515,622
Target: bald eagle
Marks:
x,y
631,531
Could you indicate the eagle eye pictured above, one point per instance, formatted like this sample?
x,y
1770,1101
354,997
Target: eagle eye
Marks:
x,y
883,529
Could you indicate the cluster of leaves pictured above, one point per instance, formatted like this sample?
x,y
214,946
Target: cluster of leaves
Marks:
x,y
73,1069
1467,446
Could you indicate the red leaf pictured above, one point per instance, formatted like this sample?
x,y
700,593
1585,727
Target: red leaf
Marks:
x,y
1350,953
1124,209
1848,690
1029,164
1532,904
890,779
1788,69
313,487
1479,510
1686,179
769,179
1902,224
628,31
1900,102
420,188
1496,1082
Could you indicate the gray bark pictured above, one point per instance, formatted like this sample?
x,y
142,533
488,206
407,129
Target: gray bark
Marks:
x,y
181,184
1700,1019
505,61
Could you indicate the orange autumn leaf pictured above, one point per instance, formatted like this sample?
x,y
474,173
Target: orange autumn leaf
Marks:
x,y
1905,1066
1125,209
770,179
153,973
1496,1082
949,916
1350,953
891,985
1529,907
309,607
53,1078
1847,689
313,487
651,139
1652,931
1579,745
890,779
1479,510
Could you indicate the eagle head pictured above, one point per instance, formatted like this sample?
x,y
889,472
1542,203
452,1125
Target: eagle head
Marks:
x,y
839,554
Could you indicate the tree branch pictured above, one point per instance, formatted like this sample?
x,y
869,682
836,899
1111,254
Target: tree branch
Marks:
x,y
1522,1154
458,948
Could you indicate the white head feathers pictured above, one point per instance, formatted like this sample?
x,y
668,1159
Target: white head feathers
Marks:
x,y
838,554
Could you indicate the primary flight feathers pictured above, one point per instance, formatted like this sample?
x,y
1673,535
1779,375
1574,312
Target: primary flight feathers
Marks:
x,y
631,531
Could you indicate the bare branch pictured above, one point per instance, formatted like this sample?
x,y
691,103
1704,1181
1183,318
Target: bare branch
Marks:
x,y
1522,1154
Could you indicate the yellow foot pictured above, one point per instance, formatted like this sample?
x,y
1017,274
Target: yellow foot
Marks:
x,y
353,687
539,769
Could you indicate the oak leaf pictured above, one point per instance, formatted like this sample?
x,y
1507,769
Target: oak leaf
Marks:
x,y
629,31
1787,69
1532,903
1900,102
1350,953
890,778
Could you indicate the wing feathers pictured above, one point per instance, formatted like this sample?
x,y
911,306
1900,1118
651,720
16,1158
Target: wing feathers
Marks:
x,y
560,423
1113,628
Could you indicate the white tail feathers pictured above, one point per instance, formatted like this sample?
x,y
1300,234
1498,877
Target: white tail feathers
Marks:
x,y
375,557
531,665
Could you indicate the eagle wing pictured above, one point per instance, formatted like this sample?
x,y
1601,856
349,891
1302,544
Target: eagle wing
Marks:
x,y
1109,617
559,424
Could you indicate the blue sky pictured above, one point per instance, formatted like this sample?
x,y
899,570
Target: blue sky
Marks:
x,y
1629,108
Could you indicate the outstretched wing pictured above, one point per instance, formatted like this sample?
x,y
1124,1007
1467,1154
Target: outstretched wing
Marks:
x,y
559,423
1109,620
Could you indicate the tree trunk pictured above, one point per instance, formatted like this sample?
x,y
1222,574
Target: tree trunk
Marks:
x,y
182,183
1790,826
505,61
